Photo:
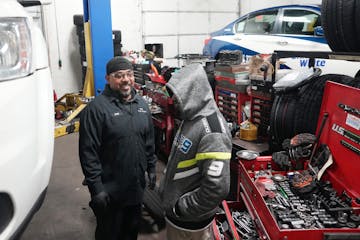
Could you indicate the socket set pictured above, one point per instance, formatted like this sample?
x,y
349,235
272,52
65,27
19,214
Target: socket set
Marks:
x,y
244,225
221,230
234,223
323,208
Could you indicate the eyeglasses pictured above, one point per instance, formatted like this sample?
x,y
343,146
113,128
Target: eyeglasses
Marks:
x,y
122,75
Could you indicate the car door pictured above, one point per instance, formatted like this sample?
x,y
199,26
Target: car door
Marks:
x,y
296,28
296,33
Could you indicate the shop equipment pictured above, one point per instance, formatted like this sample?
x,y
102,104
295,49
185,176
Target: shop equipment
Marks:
x,y
99,50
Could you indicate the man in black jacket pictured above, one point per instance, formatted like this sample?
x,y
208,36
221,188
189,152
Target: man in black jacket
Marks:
x,y
116,147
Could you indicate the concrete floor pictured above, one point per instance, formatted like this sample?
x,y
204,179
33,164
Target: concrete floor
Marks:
x,y
65,214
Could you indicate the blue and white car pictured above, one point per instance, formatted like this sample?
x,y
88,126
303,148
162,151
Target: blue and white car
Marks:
x,y
286,28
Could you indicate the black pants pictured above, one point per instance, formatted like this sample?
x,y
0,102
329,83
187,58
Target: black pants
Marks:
x,y
117,222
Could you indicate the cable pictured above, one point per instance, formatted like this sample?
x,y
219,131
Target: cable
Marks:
x,y
57,36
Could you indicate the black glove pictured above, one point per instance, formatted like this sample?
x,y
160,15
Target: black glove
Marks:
x,y
152,180
100,201
282,159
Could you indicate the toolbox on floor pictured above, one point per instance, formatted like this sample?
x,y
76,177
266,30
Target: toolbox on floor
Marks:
x,y
289,203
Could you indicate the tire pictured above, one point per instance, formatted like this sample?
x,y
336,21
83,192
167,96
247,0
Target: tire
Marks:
x,y
345,24
153,204
80,30
274,132
357,20
296,113
340,21
81,39
282,118
116,36
78,19
309,104
117,50
328,21
82,50
287,123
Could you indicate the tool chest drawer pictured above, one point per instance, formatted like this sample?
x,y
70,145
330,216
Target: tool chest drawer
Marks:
x,y
260,114
230,103
234,223
321,199
221,228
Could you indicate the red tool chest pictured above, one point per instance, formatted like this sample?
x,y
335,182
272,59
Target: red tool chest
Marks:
x,y
331,210
163,119
230,103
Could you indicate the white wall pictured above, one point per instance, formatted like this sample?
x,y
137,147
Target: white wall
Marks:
x,y
252,5
63,45
141,21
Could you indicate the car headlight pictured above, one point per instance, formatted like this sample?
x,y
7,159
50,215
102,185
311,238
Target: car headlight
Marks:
x,y
15,48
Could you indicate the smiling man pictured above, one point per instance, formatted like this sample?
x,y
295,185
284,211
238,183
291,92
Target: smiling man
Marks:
x,y
116,147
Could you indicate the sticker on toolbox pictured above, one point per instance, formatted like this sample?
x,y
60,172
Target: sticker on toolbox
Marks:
x,y
346,133
353,121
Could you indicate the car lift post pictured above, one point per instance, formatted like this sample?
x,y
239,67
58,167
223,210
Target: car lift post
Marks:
x,y
97,14
99,50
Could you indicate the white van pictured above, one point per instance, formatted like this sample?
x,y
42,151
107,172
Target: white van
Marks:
x,y
27,119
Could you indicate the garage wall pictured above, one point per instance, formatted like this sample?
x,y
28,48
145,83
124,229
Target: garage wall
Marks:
x,y
180,25
183,25
62,40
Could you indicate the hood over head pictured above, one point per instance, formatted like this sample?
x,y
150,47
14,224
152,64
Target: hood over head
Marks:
x,y
191,87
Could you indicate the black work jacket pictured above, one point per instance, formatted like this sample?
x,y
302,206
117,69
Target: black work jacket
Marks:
x,y
116,146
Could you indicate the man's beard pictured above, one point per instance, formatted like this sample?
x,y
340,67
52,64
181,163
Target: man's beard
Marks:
x,y
125,94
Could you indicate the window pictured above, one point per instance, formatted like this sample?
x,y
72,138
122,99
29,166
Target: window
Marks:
x,y
297,21
261,23
239,27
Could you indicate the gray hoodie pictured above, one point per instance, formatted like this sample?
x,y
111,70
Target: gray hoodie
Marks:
x,y
197,175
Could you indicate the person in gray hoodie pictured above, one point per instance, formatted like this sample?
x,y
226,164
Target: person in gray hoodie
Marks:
x,y
197,174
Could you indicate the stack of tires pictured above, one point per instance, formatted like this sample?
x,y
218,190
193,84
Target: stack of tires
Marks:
x,y
340,20
78,20
297,111
116,35
79,24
